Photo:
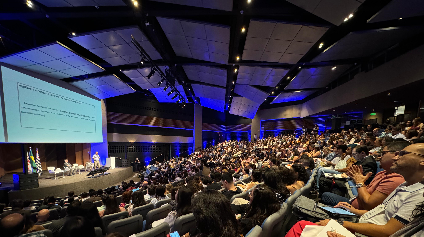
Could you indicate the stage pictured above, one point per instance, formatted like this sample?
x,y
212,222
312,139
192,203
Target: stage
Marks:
x,y
78,183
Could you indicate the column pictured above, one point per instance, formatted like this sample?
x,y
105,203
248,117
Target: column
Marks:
x,y
197,130
255,128
101,147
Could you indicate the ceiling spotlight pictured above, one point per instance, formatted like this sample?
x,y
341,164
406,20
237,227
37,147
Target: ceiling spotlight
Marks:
x,y
272,93
166,87
300,67
235,70
238,58
243,30
179,99
333,68
29,3
288,77
161,81
152,72
170,92
346,19
73,33
175,96
297,91
233,82
135,3
142,62
350,15
320,45
400,18
276,87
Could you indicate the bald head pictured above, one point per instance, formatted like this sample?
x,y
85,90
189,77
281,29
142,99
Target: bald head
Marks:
x,y
12,224
417,148
43,215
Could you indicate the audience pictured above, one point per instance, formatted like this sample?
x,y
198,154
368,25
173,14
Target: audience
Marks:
x,y
263,203
111,206
228,184
214,217
42,216
203,183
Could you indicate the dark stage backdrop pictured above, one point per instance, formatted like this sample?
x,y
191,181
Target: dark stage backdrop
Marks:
x,y
148,152
51,154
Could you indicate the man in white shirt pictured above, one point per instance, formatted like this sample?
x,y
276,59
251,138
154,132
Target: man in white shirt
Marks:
x,y
397,134
396,210
96,159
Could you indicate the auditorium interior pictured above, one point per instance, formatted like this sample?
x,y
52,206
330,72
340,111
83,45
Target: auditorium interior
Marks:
x,y
216,118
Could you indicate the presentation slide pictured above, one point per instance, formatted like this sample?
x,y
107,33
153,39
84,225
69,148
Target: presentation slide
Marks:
x,y
2,138
39,112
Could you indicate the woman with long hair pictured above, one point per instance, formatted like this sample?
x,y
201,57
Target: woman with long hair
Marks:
x,y
90,213
301,173
214,217
111,206
263,203
183,199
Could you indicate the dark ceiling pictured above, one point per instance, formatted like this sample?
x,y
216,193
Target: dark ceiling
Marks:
x,y
331,43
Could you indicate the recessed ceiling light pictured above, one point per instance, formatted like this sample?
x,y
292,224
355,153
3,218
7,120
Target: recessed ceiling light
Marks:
x,y
235,70
334,110
73,33
233,82
238,58
288,77
333,68
300,67
249,1
346,19
272,92
135,3
400,18
320,45
350,15
243,30
142,62
297,91
29,3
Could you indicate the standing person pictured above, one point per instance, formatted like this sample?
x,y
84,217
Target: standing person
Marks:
x,y
96,159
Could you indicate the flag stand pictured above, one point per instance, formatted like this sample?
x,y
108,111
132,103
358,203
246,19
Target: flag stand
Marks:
x,y
23,181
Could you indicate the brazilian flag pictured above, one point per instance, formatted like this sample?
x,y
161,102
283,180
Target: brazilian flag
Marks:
x,y
31,160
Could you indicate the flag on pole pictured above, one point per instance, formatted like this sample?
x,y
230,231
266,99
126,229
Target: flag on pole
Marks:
x,y
31,159
29,164
38,162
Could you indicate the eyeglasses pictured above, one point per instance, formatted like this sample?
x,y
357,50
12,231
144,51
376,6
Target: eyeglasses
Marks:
x,y
402,153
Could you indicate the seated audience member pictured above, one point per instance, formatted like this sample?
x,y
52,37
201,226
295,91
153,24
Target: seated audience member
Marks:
x,y
93,196
138,199
71,211
228,183
116,234
273,180
216,181
111,206
13,225
300,173
396,133
71,194
214,217
27,206
396,211
380,187
256,178
289,179
17,207
308,163
42,216
90,213
151,190
159,194
78,226
84,196
263,203
183,198
126,198
51,203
